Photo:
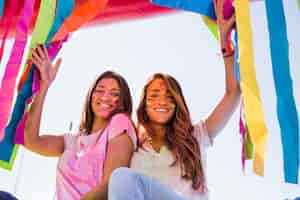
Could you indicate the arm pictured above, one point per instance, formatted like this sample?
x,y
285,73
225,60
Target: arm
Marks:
x,y
46,145
119,153
225,108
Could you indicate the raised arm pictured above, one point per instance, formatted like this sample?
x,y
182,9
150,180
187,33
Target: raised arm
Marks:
x,y
47,145
225,108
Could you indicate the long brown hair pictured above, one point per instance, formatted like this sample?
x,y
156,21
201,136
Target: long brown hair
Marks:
x,y
125,103
179,137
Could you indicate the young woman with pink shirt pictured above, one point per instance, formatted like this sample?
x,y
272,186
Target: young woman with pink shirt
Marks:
x,y
106,139
170,161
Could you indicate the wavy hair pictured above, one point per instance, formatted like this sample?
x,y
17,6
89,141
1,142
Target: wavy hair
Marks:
x,y
179,138
125,105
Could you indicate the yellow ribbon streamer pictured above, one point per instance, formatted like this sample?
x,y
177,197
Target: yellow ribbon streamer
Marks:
x,y
253,106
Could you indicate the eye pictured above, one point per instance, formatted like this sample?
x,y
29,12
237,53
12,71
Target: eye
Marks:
x,y
115,94
170,98
152,96
99,91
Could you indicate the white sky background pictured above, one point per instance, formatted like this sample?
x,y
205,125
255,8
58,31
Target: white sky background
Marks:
x,y
181,45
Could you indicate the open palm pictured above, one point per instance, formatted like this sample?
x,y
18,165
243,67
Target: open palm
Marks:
x,y
225,26
43,63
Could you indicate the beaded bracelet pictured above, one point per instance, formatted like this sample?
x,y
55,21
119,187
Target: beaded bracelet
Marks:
x,y
228,50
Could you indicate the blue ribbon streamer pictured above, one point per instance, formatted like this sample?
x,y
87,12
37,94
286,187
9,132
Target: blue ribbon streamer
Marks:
x,y
2,2
203,7
236,57
286,108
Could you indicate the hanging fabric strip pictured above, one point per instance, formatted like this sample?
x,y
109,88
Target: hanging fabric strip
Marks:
x,y
249,145
7,24
286,108
9,81
13,64
243,136
236,57
203,7
253,106
212,26
2,4
8,165
82,13
39,36
63,10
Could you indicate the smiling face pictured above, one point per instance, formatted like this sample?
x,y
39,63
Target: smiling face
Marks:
x,y
105,98
160,104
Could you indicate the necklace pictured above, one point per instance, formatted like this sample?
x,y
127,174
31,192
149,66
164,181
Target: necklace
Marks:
x,y
83,147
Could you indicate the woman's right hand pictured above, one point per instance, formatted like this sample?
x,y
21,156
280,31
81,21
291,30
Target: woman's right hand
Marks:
x,y
41,60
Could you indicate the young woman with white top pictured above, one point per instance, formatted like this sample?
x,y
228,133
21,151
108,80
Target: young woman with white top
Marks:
x,y
170,161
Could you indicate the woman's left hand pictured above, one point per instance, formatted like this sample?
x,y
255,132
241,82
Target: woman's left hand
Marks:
x,y
225,25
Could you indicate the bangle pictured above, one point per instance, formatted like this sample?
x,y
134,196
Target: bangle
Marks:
x,y
228,50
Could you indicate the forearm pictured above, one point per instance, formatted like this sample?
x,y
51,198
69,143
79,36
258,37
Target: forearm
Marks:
x,y
231,84
32,126
100,192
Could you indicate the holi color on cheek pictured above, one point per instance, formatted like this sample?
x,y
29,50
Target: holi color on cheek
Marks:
x,y
160,104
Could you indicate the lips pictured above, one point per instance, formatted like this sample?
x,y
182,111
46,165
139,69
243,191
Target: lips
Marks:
x,y
104,106
162,110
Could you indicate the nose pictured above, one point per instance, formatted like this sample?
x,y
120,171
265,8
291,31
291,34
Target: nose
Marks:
x,y
163,100
105,96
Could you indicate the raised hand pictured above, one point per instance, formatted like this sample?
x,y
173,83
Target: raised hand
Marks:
x,y
43,63
225,26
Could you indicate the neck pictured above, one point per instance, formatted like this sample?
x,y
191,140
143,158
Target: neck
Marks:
x,y
158,136
99,123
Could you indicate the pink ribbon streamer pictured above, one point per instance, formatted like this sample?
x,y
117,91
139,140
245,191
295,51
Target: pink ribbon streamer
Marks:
x,y
243,134
11,12
14,63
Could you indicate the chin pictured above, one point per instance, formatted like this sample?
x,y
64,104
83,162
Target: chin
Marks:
x,y
104,115
161,121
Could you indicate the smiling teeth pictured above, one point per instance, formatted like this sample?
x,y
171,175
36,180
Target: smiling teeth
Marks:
x,y
161,110
104,105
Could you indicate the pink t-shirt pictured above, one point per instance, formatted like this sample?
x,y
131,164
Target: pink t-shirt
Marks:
x,y
80,168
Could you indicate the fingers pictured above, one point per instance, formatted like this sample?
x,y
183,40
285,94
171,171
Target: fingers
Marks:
x,y
215,7
40,51
218,6
45,51
36,59
231,21
40,55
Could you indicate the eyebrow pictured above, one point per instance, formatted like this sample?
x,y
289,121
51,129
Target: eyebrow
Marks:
x,y
112,89
154,90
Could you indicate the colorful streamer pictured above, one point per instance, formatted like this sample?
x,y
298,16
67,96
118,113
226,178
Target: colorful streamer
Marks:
x,y
82,13
63,10
2,2
247,146
253,107
13,64
43,26
7,24
212,26
286,108
9,80
203,7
